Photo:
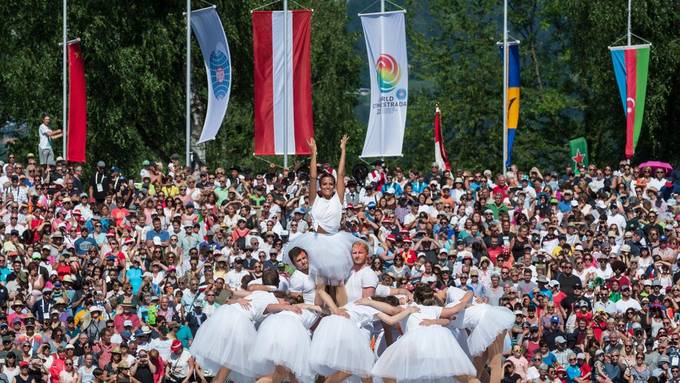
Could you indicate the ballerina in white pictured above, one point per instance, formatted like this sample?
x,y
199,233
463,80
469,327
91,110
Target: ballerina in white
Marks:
x,y
328,249
341,346
282,347
426,353
224,342
488,326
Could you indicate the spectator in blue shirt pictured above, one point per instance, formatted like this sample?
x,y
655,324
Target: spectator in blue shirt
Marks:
x,y
573,370
134,276
547,357
392,187
157,232
85,242
4,270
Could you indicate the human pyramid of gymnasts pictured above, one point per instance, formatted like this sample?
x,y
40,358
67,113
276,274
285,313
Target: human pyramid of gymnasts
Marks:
x,y
320,329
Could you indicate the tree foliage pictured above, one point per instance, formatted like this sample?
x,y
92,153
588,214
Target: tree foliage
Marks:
x,y
135,63
134,53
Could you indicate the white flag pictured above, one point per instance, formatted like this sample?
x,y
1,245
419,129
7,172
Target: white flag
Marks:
x,y
208,29
386,45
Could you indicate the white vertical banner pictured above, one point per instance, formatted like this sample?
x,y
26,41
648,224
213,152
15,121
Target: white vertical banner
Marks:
x,y
385,36
208,29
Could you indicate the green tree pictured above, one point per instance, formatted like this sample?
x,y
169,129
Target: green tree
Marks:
x,y
134,55
592,27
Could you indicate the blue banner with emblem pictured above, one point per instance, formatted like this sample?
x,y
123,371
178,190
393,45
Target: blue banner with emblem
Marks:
x,y
209,32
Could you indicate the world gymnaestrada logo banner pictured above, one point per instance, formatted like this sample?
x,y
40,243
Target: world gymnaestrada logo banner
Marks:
x,y
388,74
220,73
209,32
385,36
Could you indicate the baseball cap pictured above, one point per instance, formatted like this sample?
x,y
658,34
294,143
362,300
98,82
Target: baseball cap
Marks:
x,y
176,345
560,339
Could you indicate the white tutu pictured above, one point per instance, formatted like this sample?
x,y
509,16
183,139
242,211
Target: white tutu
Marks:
x,y
339,345
424,354
282,340
225,340
461,336
486,322
330,255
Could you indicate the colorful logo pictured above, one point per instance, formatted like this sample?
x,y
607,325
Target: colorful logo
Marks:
x,y
220,73
388,73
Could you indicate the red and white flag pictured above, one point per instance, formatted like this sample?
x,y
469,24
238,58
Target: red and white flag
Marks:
x,y
271,69
440,156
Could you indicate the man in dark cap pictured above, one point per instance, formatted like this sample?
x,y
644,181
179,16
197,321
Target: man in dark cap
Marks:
x,y
99,183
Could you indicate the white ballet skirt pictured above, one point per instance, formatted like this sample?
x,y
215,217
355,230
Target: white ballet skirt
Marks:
x,y
344,344
330,255
486,322
226,338
283,339
461,336
424,353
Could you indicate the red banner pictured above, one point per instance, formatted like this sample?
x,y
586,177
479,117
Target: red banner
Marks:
x,y
76,134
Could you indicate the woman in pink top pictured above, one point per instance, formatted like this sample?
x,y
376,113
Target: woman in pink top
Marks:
x,y
521,363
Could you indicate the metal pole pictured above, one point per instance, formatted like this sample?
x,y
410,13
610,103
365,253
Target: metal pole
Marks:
x,y
63,75
285,84
382,46
188,89
629,28
505,85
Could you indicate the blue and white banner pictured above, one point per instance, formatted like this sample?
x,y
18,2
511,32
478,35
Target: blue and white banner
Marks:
x,y
208,29
385,35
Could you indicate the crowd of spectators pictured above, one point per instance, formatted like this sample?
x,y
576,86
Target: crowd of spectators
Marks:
x,y
106,279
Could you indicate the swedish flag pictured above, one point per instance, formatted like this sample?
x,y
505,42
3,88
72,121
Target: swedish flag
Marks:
x,y
513,94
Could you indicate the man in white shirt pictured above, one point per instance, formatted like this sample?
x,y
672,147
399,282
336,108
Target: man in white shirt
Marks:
x,y
626,301
412,216
300,281
45,144
178,364
616,218
235,275
659,180
362,279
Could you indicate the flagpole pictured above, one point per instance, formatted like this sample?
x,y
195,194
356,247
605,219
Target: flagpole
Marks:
x,y
188,88
285,84
505,85
382,45
63,75
629,28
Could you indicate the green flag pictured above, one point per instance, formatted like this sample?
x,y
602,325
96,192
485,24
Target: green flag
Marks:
x,y
578,149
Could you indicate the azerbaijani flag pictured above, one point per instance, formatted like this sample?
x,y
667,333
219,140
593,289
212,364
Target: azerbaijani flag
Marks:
x,y
513,94
631,67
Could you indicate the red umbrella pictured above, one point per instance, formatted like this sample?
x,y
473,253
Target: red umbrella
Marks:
x,y
657,165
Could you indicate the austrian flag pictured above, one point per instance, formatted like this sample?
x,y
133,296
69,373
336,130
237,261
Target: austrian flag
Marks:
x,y
272,69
